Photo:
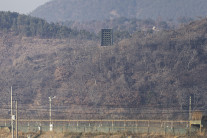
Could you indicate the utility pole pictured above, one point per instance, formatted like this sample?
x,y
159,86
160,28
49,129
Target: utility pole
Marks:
x,y
190,115
12,117
16,119
50,100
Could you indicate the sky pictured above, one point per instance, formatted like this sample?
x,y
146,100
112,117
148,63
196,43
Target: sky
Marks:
x,y
21,6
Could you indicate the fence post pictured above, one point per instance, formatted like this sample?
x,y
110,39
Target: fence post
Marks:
x,y
84,129
112,125
165,127
89,125
68,126
148,127
161,127
174,130
125,125
190,128
187,129
101,124
172,127
77,126
28,127
161,123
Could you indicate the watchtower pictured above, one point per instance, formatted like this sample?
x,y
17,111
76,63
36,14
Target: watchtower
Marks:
x,y
106,37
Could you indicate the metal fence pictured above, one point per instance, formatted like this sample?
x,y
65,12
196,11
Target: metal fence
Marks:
x,y
162,127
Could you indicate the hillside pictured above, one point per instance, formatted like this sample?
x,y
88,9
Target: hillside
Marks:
x,y
29,26
140,77
87,10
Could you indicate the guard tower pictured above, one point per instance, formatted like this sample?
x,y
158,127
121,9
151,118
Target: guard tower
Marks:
x,y
106,37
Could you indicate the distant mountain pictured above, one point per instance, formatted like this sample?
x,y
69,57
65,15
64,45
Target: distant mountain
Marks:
x,y
87,10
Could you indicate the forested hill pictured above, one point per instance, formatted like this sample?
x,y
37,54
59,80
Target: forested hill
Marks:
x,y
30,26
150,70
86,10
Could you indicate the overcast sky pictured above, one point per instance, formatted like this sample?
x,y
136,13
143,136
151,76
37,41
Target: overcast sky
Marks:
x,y
20,6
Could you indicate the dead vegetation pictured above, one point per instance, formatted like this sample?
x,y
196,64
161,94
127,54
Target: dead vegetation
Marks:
x,y
140,77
